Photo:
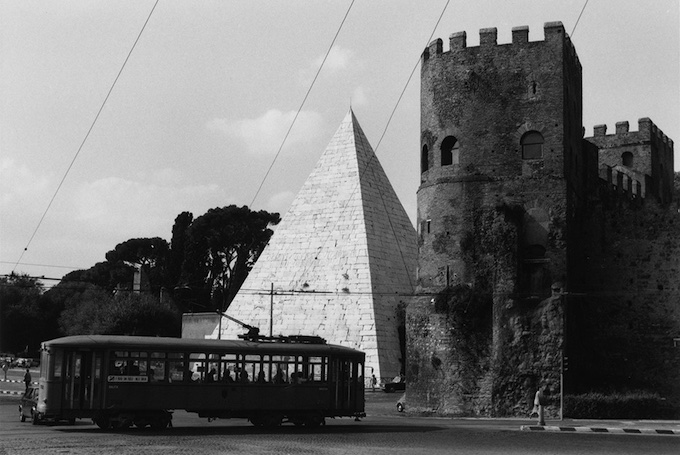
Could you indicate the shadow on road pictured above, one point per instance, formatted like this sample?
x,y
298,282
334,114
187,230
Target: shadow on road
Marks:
x,y
246,429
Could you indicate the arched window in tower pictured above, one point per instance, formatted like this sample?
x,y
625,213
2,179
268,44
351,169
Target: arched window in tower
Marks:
x,y
627,159
424,159
450,151
532,145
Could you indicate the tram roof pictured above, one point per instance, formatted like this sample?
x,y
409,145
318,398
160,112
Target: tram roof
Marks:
x,y
202,345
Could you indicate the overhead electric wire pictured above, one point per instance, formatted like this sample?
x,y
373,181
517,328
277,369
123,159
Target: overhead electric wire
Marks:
x,y
579,18
304,100
87,135
368,163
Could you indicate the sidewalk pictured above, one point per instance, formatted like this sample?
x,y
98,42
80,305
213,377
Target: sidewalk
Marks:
x,y
665,427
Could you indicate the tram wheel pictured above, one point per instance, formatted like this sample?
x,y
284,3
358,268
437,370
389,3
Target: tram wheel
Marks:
x,y
255,420
102,422
298,421
161,421
272,420
314,420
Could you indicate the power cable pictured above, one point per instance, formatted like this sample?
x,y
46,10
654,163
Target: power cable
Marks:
x,y
87,135
579,18
301,104
368,163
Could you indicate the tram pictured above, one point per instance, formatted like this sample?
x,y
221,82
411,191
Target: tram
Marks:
x,y
120,381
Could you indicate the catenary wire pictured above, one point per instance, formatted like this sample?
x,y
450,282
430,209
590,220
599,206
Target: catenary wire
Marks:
x,y
579,18
87,135
304,100
368,163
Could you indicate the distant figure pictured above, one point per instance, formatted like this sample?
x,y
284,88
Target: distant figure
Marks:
x,y
27,379
374,382
5,367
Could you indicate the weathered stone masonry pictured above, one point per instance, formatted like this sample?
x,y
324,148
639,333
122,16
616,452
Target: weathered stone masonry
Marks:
x,y
509,196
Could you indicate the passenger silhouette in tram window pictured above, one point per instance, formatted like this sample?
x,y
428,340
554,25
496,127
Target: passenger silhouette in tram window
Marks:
x,y
227,375
260,377
244,376
211,376
278,377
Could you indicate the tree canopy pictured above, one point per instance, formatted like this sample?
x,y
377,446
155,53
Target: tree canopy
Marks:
x,y
201,269
221,248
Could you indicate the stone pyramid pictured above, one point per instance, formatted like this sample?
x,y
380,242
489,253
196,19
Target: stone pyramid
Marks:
x,y
340,261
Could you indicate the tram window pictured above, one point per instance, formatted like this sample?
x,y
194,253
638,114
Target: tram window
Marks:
x,y
296,366
261,369
279,369
176,370
317,369
228,362
97,366
250,368
266,369
77,367
139,368
157,370
197,366
58,360
213,368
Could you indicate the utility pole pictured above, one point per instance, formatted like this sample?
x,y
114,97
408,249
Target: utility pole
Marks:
x,y
271,311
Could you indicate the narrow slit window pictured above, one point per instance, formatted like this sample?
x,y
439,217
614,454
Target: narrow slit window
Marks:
x,y
424,157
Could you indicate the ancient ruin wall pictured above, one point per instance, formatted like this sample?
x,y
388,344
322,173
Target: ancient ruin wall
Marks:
x,y
492,225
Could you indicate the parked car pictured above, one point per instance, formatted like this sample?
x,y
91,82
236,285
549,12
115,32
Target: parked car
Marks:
x,y
6,357
397,384
27,405
401,404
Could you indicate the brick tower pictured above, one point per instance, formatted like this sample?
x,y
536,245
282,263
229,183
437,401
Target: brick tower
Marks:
x,y
501,134
340,262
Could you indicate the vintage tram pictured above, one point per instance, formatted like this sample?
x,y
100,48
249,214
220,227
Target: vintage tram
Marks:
x,y
119,381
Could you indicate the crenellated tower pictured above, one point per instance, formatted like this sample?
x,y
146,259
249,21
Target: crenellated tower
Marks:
x,y
644,157
502,172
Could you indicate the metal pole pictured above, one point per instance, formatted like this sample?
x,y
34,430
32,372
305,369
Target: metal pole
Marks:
x,y
271,311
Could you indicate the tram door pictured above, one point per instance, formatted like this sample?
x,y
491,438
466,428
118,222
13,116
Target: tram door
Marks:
x,y
345,394
83,371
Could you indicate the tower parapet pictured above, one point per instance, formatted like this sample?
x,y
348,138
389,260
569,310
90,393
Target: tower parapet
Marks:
x,y
488,38
646,153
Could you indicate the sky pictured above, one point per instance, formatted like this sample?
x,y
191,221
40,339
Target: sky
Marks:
x,y
200,110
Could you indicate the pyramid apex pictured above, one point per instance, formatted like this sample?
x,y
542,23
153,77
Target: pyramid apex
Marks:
x,y
350,117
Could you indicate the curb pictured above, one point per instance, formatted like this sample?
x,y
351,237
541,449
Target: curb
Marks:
x,y
599,430
17,381
9,392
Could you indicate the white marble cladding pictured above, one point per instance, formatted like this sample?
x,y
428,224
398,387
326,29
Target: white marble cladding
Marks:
x,y
340,261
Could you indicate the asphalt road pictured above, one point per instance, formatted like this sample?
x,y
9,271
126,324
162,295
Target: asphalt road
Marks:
x,y
384,431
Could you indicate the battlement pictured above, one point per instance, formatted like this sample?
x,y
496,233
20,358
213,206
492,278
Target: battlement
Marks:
x,y
621,181
488,37
645,127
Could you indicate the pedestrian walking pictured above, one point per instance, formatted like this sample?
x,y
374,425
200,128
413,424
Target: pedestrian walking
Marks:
x,y
27,379
374,382
5,367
